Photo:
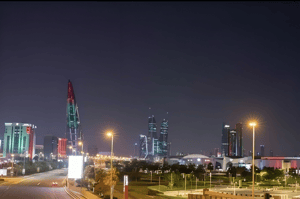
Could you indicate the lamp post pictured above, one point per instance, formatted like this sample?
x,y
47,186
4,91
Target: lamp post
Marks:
x,y
12,163
110,134
80,143
253,124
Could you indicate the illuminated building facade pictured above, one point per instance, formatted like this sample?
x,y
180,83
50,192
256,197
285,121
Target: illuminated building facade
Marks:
x,y
73,132
232,143
163,139
225,134
239,133
62,147
143,152
232,140
19,138
262,150
151,135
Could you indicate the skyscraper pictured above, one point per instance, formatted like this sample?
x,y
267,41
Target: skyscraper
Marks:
x,y
73,130
151,134
262,150
163,138
50,147
143,152
19,139
225,137
233,149
239,132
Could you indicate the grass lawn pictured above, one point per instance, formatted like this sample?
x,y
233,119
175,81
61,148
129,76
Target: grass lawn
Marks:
x,y
138,190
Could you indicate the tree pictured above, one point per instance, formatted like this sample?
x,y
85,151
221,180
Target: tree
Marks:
x,y
134,175
100,187
176,180
111,178
272,174
210,166
89,172
200,171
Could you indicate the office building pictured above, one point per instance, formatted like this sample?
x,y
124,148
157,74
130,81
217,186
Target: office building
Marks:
x,y
19,139
1,144
163,138
73,132
151,134
50,147
62,147
239,132
262,150
143,152
225,137
232,140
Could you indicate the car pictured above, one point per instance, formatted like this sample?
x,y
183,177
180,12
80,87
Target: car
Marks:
x,y
54,184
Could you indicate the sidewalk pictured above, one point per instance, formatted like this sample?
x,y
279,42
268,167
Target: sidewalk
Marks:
x,y
82,192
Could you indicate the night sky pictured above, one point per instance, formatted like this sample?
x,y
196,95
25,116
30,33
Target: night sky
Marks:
x,y
203,62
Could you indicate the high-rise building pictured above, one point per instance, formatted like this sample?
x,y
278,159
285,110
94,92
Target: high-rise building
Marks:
x,y
143,146
62,147
73,133
262,150
50,147
225,137
151,134
169,149
19,139
1,144
239,132
271,153
232,140
163,138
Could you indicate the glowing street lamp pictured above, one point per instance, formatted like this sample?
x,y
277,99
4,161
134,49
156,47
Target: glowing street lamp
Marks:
x,y
80,143
110,134
253,124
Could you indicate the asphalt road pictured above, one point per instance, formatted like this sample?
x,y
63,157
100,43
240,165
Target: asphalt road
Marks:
x,y
35,186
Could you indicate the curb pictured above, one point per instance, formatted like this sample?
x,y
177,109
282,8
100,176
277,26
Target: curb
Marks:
x,y
71,194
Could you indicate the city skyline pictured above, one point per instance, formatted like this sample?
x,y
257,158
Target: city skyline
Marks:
x,y
201,62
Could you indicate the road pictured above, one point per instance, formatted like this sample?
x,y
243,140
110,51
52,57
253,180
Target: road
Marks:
x,y
35,186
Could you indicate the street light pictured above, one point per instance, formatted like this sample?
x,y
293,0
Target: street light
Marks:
x,y
80,143
110,134
253,124
12,163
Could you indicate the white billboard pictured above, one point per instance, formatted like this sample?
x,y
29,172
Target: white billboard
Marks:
x,y
75,167
3,172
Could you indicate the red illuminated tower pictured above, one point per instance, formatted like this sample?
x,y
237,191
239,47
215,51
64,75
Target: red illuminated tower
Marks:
x,y
73,130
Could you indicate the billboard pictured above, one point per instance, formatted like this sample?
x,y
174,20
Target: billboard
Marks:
x,y
3,172
75,167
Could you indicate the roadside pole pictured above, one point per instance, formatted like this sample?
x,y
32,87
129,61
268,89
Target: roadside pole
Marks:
x,y
159,183
196,183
